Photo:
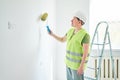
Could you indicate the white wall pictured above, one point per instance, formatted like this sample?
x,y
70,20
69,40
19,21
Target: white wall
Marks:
x,y
64,10
26,50
25,47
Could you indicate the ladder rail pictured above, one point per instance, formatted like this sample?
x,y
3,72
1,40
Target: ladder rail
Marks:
x,y
101,54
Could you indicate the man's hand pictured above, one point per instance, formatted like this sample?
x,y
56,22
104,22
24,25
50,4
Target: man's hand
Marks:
x,y
80,70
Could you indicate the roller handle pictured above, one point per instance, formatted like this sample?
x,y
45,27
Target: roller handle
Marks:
x,y
48,29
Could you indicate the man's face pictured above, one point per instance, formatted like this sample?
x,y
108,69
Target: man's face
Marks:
x,y
75,22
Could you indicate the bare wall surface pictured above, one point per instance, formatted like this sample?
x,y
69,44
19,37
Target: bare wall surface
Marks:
x,y
24,50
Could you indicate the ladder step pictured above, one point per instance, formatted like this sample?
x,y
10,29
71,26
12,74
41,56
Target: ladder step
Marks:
x,y
100,43
95,56
89,78
93,68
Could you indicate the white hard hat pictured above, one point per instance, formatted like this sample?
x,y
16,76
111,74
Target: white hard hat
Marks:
x,y
80,15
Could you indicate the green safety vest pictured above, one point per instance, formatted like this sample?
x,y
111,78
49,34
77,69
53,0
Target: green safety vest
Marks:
x,y
74,49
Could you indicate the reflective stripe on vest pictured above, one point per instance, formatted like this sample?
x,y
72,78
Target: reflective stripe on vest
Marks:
x,y
73,60
75,54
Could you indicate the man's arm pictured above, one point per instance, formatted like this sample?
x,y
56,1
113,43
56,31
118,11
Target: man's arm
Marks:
x,y
85,54
85,44
61,39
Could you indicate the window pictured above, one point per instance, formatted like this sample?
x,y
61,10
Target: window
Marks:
x,y
106,10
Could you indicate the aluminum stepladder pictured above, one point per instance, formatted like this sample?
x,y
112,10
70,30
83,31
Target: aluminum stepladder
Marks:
x,y
105,41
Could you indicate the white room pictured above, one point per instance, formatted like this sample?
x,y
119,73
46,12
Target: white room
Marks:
x,y
28,52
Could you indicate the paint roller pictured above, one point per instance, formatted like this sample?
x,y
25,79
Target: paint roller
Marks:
x,y
43,17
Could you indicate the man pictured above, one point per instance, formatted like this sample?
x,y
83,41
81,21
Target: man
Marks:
x,y
77,47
